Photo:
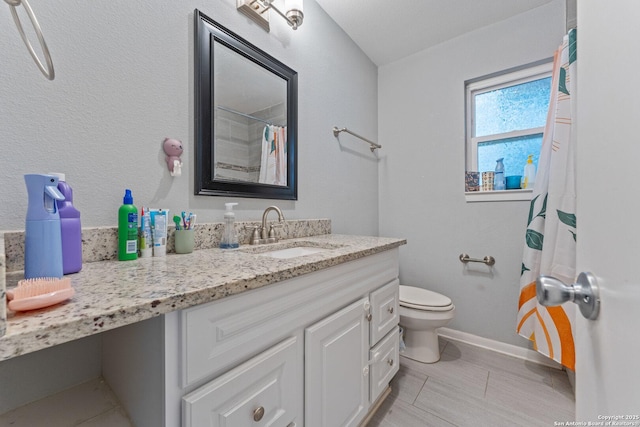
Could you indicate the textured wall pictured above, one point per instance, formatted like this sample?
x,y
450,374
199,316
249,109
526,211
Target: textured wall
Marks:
x,y
124,81
422,127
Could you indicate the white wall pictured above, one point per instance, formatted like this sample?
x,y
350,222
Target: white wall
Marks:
x,y
124,81
422,128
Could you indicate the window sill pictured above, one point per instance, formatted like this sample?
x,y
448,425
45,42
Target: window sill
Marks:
x,y
497,196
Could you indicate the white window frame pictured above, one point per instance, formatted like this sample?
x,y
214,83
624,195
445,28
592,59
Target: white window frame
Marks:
x,y
486,84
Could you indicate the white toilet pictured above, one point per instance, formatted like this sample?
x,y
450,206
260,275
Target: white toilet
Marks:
x,y
421,313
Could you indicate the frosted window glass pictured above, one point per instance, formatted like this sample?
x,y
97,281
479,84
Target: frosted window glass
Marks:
x,y
519,107
514,150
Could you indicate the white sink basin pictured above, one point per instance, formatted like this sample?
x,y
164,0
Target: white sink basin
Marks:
x,y
293,252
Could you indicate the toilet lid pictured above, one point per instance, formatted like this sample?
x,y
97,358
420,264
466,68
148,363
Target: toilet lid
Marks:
x,y
422,299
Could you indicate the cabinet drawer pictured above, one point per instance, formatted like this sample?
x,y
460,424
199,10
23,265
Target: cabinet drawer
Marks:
x,y
261,392
385,311
387,362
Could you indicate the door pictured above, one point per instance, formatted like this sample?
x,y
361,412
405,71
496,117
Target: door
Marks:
x,y
608,209
336,372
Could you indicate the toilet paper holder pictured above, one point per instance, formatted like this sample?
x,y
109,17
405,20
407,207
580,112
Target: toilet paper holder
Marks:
x,y
489,260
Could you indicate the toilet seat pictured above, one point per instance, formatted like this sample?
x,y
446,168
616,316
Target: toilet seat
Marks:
x,y
423,299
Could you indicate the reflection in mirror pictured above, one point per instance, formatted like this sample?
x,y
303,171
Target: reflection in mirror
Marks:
x,y
250,120
246,117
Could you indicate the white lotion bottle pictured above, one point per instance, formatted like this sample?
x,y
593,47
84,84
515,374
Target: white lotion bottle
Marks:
x,y
229,234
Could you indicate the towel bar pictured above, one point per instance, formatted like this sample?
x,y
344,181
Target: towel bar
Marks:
x,y
489,260
336,132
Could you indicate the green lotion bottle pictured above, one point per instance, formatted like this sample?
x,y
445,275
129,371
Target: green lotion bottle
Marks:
x,y
127,229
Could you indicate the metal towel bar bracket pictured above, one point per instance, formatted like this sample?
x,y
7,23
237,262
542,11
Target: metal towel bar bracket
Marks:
x,y
336,132
489,260
48,71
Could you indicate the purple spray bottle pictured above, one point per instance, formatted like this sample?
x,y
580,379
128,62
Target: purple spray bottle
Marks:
x,y
42,242
70,227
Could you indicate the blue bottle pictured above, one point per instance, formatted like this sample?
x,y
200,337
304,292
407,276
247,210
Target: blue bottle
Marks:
x,y
499,180
42,237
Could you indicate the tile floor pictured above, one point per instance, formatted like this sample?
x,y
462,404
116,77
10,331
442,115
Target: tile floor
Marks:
x,y
471,386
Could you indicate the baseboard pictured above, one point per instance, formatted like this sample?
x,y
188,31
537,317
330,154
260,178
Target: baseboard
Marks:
x,y
374,408
499,347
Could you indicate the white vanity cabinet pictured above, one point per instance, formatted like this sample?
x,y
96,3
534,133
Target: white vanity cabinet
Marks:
x,y
315,350
343,376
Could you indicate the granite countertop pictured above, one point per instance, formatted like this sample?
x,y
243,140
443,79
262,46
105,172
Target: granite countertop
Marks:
x,y
110,294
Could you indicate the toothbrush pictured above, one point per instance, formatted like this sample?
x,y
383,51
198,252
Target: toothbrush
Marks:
x,y
176,220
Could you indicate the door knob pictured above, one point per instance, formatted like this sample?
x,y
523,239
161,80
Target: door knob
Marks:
x,y
551,292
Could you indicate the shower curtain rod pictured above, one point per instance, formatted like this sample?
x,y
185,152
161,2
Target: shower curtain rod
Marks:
x,y
247,116
336,132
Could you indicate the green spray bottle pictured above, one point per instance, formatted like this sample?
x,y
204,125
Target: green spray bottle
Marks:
x,y
127,229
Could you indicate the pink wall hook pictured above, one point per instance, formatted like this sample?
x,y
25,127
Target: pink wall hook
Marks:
x,y
173,150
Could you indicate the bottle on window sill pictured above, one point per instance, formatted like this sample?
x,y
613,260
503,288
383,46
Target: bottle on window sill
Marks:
x,y
499,180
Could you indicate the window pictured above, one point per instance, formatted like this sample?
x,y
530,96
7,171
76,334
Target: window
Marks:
x,y
506,115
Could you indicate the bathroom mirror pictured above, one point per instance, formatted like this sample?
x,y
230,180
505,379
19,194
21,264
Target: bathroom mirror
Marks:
x,y
245,117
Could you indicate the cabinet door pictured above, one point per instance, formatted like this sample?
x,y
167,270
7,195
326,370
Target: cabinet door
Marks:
x,y
261,392
336,370
385,307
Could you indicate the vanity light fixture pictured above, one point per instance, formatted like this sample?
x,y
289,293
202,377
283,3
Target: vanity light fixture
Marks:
x,y
258,11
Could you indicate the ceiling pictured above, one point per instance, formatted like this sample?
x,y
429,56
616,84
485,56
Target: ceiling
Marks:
x,y
388,30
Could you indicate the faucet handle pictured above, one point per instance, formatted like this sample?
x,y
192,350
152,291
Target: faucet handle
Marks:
x,y
272,226
255,236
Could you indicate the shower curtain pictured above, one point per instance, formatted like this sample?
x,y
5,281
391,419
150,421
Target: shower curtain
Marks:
x,y
273,164
550,239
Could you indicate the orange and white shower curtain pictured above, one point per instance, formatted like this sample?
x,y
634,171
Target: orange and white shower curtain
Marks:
x,y
273,163
550,240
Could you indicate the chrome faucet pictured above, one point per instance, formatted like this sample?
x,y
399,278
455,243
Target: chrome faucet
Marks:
x,y
266,236
263,230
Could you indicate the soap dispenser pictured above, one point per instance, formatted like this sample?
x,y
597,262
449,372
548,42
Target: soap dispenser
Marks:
x,y
42,237
229,234
499,180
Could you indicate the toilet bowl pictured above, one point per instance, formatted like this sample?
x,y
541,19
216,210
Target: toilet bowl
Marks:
x,y
421,313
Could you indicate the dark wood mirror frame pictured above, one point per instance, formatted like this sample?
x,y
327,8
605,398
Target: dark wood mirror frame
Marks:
x,y
207,32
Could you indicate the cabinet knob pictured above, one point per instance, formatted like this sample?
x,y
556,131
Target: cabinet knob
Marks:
x,y
390,362
369,317
390,310
258,414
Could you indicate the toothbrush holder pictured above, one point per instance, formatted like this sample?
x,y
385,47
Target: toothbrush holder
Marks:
x,y
184,241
